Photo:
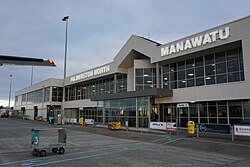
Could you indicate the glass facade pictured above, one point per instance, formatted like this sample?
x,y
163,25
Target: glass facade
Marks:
x,y
95,88
123,110
46,94
121,83
42,95
145,78
38,96
24,99
217,68
85,90
216,112
90,113
57,93
143,111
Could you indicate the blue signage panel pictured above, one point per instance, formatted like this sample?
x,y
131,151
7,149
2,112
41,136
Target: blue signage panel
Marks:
x,y
214,128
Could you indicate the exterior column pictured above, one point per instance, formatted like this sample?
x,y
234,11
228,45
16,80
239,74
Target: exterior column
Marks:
x,y
157,75
103,112
149,112
136,114
115,83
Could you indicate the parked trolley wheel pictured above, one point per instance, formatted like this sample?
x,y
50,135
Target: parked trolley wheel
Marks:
x,y
35,152
61,150
42,153
54,150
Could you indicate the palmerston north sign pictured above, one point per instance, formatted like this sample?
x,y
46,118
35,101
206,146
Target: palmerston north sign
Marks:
x,y
91,73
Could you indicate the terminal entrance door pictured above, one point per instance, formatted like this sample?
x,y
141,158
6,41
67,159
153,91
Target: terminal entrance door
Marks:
x,y
183,114
35,112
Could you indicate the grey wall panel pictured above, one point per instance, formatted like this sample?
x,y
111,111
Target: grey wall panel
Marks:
x,y
209,93
246,57
80,103
130,81
40,85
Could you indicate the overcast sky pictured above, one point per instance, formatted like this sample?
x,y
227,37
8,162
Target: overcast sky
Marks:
x,y
97,30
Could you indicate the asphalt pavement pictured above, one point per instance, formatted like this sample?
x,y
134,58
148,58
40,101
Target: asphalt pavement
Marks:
x,y
98,146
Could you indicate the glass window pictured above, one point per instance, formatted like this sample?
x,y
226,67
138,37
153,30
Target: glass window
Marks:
x,y
232,54
24,98
233,65
199,71
173,67
181,75
228,66
146,81
30,98
147,72
200,81
190,82
139,87
121,85
210,69
246,108
139,80
203,109
235,112
222,114
209,59
181,65
193,111
221,78
182,84
165,68
173,85
232,77
199,61
173,76
210,80
190,73
166,85
165,77
212,114
222,111
166,81
220,57
240,53
139,72
190,63
221,68
242,76
241,65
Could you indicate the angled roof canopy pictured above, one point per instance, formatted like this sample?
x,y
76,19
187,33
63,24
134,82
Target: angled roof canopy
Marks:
x,y
14,60
154,92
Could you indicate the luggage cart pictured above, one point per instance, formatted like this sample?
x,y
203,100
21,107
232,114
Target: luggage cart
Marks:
x,y
45,139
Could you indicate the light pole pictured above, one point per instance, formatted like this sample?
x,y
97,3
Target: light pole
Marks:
x,y
31,78
10,90
66,18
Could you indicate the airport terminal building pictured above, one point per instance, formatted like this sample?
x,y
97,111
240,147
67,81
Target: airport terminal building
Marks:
x,y
204,77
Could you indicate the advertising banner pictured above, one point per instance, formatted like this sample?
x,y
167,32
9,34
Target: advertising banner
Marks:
x,y
214,128
89,121
158,125
241,130
171,126
73,120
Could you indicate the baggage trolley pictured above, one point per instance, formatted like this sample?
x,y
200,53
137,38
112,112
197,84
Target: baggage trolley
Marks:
x,y
48,141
